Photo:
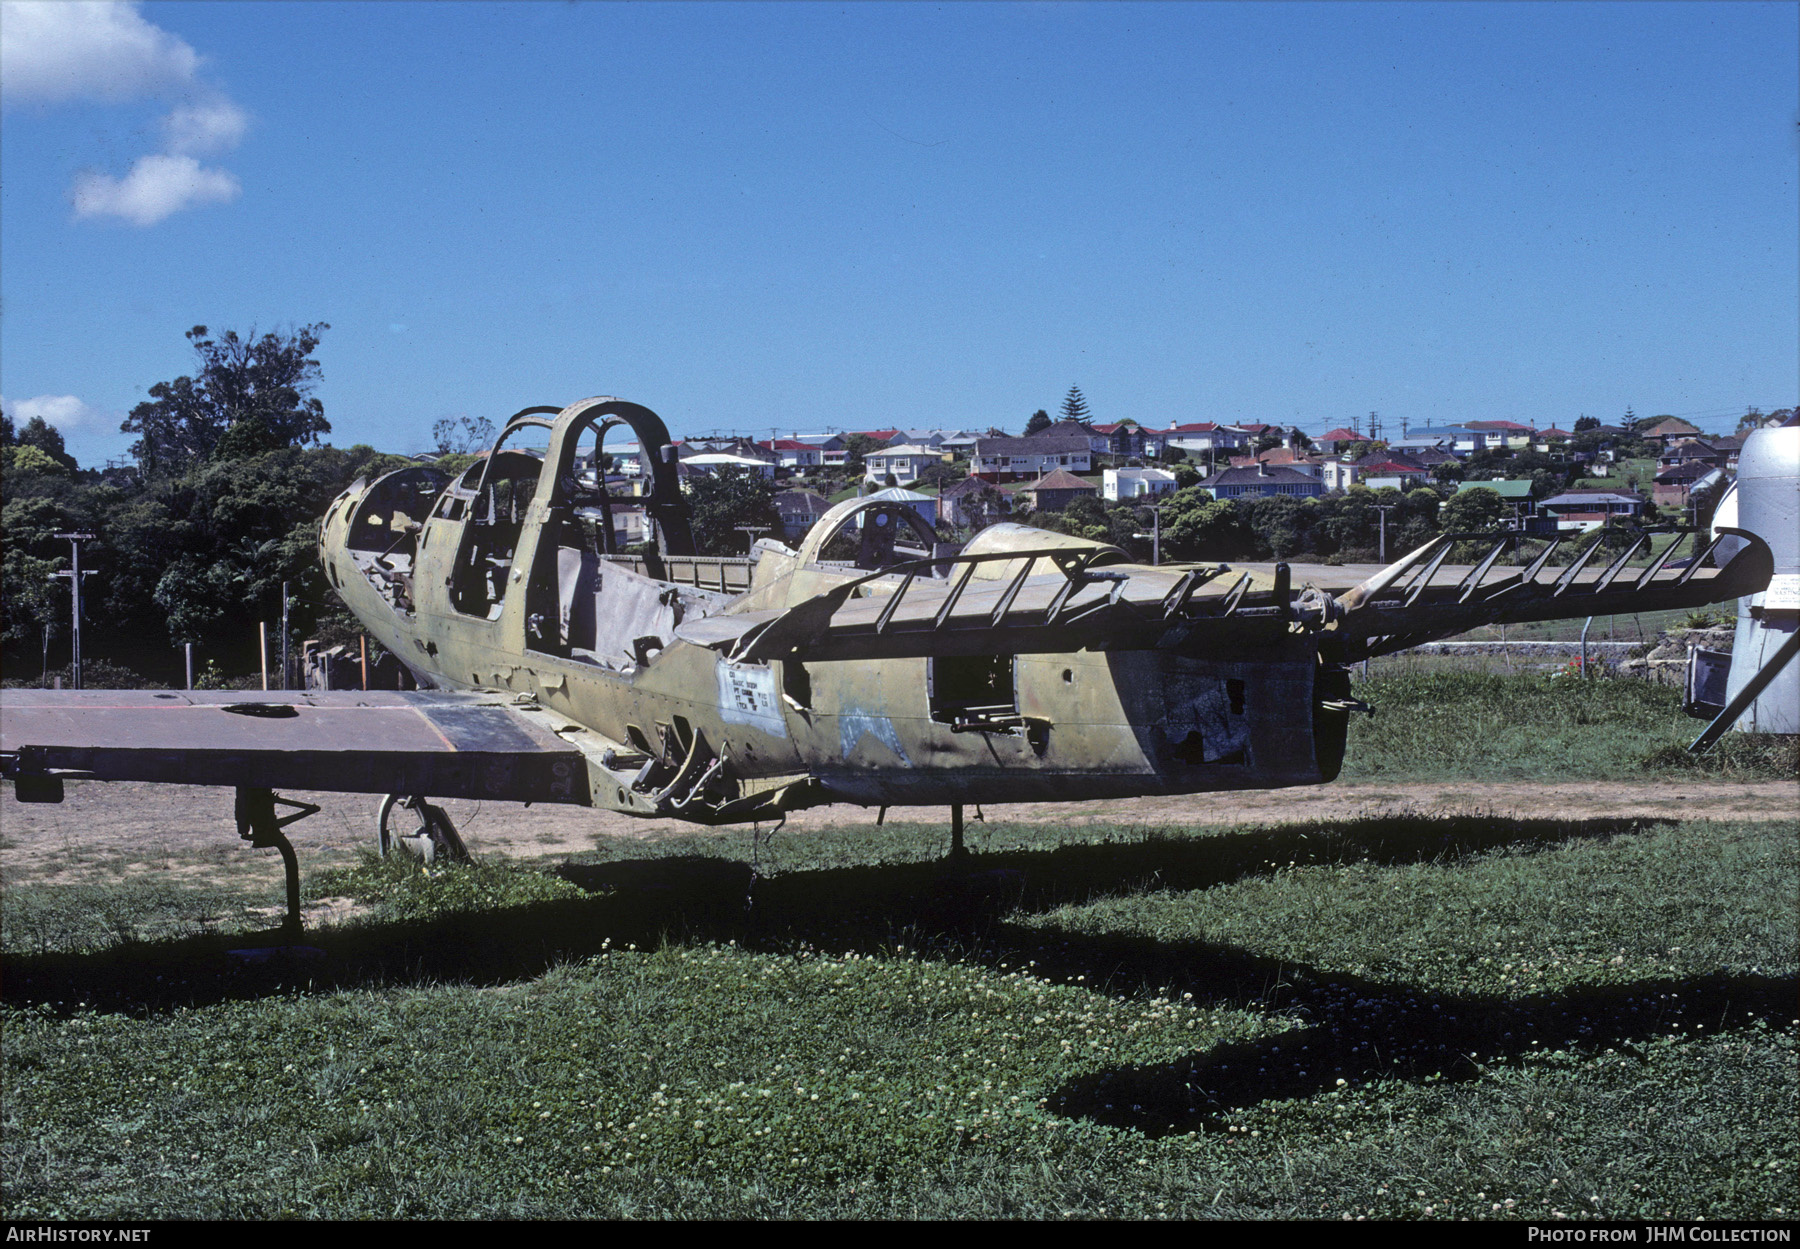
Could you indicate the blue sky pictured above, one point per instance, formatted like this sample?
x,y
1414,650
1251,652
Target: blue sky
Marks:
x,y
801,217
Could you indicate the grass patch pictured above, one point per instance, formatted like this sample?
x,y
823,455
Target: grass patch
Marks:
x,y
1444,723
1438,1017
39,919
403,889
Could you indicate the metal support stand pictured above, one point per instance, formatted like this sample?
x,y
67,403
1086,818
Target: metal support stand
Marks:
x,y
258,824
1752,688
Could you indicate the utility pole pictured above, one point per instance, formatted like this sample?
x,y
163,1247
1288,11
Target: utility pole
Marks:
x,y
284,635
1384,509
750,532
74,576
1155,534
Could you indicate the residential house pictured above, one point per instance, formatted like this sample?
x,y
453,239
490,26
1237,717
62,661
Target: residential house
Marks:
x,y
1338,475
1675,483
1128,438
925,505
999,460
1391,471
1512,434
1135,483
1589,509
1330,441
1515,492
798,510
1261,482
1458,440
905,462
726,444
712,462
1669,430
1055,490
1281,457
793,454
972,502
1204,438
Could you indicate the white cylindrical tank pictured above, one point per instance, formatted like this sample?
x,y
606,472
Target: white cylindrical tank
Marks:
x,y
1767,504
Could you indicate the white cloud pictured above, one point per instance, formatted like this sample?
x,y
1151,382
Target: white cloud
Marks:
x,y
63,51
213,125
157,187
65,412
56,51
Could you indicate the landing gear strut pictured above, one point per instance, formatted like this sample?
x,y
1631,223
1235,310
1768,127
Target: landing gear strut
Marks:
x,y
258,824
434,838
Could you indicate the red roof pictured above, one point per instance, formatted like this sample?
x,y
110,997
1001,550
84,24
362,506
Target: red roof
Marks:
x,y
879,435
1204,427
1061,479
1390,468
1341,435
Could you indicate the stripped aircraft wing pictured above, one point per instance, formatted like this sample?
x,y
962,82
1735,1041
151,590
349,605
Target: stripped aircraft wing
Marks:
x,y
449,745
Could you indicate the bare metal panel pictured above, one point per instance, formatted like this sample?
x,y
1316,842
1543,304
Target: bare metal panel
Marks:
x,y
444,745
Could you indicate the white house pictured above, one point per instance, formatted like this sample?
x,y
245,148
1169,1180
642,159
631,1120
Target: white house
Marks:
x,y
1135,483
712,462
904,462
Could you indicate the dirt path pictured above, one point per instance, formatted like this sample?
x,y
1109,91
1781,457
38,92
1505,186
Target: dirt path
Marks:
x,y
102,830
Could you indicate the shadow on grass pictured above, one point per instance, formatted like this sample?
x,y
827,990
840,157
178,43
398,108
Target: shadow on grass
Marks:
x,y
1352,1029
1360,1031
946,909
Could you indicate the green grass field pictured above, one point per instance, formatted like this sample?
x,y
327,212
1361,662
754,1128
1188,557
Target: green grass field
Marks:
x,y
1442,721
1390,1016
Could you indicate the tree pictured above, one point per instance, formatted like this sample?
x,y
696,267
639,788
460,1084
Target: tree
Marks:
x,y
722,501
1074,407
940,476
45,437
856,447
1585,423
1473,509
1197,526
453,436
1039,422
251,395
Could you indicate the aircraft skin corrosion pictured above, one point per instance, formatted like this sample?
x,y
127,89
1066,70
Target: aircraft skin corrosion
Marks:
x,y
1024,666
1072,674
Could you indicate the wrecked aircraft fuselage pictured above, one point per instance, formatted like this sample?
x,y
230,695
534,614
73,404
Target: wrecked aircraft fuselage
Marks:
x,y
1024,667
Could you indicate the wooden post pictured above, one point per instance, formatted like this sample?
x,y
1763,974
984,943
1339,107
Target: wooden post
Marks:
x,y
364,641
262,635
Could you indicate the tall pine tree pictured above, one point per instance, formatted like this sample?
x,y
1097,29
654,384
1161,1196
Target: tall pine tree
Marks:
x,y
1074,406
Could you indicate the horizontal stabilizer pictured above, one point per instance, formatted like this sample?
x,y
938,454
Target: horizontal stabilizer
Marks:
x,y
1421,597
